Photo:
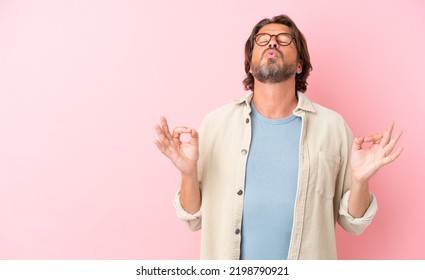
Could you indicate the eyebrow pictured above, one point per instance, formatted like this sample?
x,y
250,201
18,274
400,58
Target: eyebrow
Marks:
x,y
281,31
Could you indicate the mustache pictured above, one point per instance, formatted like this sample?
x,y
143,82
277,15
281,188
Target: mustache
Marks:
x,y
268,49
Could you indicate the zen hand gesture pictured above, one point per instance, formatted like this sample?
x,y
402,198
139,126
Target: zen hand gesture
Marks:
x,y
365,162
184,155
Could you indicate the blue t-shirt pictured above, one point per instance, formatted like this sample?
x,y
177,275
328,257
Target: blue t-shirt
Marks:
x,y
270,187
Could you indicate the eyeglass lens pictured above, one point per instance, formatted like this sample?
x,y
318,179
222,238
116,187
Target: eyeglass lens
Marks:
x,y
283,39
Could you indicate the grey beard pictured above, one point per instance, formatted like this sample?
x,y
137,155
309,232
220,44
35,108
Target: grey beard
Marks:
x,y
271,73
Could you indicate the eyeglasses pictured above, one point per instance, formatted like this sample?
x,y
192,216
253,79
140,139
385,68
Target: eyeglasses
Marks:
x,y
283,39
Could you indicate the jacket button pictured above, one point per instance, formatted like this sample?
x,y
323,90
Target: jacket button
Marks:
x,y
237,231
244,152
247,120
240,192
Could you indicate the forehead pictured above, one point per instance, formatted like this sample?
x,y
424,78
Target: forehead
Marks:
x,y
274,28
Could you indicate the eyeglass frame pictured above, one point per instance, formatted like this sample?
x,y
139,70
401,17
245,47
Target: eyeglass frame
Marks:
x,y
271,36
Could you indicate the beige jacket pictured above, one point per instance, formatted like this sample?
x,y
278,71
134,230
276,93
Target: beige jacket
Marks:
x,y
324,181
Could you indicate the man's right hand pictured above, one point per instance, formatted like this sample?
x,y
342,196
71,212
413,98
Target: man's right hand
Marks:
x,y
184,155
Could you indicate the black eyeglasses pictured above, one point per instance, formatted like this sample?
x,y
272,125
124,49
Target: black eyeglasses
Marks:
x,y
283,39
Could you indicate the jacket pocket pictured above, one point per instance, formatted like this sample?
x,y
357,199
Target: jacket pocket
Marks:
x,y
327,172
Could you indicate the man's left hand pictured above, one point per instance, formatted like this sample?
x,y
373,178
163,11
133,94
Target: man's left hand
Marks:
x,y
378,151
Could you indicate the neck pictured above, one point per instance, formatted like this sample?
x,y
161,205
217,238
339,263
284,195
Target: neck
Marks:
x,y
275,101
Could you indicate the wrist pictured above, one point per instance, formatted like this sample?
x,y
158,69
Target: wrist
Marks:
x,y
360,187
359,183
190,174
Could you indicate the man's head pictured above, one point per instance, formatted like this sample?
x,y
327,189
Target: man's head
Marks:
x,y
275,51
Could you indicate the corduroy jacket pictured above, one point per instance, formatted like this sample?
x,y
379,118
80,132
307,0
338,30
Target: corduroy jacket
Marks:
x,y
324,181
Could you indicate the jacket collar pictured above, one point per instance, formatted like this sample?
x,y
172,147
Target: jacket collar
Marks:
x,y
304,104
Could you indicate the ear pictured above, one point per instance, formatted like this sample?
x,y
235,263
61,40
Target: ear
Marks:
x,y
300,67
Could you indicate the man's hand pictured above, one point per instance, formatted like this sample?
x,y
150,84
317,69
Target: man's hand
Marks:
x,y
366,161
184,155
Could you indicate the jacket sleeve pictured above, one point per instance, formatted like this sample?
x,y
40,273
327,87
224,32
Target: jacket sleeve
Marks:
x,y
193,220
356,225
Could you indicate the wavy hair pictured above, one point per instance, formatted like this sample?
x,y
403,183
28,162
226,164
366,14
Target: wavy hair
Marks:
x,y
300,42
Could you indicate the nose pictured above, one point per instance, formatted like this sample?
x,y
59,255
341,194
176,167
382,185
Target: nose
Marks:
x,y
273,43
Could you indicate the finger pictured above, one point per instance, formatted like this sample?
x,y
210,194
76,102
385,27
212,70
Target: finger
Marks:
x,y
376,138
387,135
357,144
168,150
193,134
193,137
179,130
165,127
163,140
388,148
393,156
161,135
177,134
162,148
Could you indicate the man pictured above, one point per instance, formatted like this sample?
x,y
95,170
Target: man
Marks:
x,y
273,172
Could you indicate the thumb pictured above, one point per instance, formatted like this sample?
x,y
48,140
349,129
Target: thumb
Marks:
x,y
193,136
357,145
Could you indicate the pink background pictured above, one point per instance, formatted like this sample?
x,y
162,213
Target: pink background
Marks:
x,y
82,84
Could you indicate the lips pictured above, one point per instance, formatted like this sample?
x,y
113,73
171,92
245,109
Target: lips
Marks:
x,y
271,53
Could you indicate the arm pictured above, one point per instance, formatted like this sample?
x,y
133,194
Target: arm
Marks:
x,y
190,193
184,155
365,162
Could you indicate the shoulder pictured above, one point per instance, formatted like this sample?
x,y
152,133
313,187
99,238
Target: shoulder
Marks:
x,y
323,120
328,115
222,111
315,110
233,110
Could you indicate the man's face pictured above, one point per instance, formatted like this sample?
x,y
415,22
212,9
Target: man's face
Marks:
x,y
274,63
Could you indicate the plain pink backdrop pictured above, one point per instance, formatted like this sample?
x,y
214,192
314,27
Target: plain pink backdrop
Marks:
x,y
82,84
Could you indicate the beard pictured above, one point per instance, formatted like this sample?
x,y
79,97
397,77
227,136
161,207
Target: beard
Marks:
x,y
272,73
